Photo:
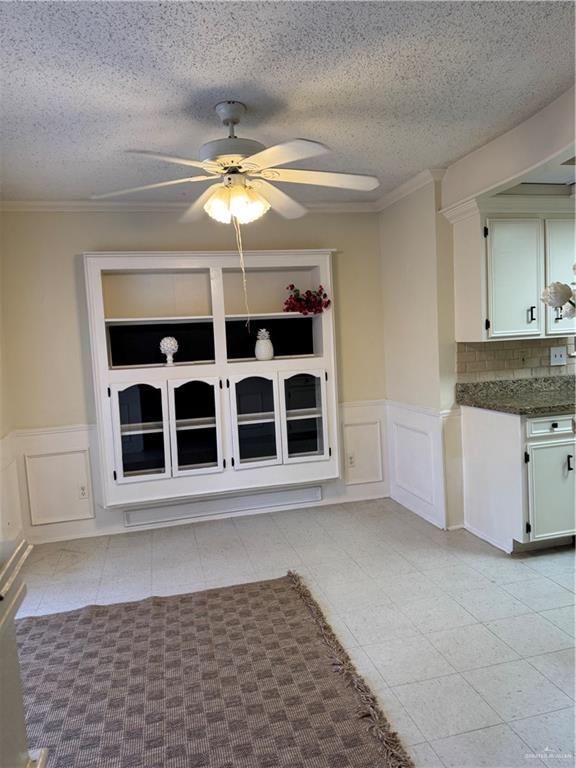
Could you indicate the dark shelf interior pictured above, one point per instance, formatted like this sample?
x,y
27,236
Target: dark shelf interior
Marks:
x,y
289,336
197,447
139,344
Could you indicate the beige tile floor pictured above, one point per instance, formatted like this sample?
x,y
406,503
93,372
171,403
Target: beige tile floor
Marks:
x,y
470,651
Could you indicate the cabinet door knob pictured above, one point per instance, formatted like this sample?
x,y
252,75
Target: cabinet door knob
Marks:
x,y
569,461
554,425
531,315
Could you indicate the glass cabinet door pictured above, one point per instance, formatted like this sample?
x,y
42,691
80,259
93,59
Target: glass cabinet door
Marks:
x,y
254,409
195,426
304,426
140,431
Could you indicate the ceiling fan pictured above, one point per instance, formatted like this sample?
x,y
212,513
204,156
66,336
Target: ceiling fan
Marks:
x,y
244,169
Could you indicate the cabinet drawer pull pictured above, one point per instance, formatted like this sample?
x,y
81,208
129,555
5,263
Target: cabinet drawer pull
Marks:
x,y
554,425
531,315
569,459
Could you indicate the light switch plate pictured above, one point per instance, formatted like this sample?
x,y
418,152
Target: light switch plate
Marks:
x,y
558,355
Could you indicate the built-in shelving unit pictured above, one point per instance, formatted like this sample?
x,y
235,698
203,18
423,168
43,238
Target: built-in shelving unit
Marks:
x,y
217,420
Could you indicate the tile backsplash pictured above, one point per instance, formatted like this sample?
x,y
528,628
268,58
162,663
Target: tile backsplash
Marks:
x,y
518,359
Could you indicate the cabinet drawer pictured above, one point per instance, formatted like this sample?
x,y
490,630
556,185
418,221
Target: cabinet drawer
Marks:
x,y
550,425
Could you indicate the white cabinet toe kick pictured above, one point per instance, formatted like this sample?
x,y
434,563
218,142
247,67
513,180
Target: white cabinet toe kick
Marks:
x,y
519,477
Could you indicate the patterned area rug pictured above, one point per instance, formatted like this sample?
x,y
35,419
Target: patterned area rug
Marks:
x,y
249,676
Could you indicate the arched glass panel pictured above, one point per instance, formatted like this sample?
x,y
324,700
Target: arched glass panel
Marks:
x,y
141,430
196,428
255,408
304,417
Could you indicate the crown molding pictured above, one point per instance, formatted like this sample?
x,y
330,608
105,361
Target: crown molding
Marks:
x,y
533,204
108,206
408,187
80,206
111,206
460,211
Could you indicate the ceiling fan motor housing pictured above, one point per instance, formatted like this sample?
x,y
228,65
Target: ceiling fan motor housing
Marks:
x,y
229,152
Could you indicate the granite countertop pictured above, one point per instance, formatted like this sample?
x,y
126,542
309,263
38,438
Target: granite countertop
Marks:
x,y
526,397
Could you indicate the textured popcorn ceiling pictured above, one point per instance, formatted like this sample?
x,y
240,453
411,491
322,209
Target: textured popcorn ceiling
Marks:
x,y
391,87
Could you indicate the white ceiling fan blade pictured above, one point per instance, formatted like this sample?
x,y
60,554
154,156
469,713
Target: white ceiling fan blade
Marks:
x,y
206,165
280,201
322,179
287,152
159,184
197,208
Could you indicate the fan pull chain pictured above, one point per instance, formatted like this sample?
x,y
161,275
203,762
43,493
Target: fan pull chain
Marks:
x,y
242,266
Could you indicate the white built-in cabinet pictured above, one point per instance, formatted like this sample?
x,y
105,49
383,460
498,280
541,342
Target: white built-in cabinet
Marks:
x,y
217,421
506,250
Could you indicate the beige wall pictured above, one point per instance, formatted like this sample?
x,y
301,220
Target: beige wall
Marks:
x,y
414,283
45,336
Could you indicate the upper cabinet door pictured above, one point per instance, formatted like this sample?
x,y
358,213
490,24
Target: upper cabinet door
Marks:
x,y
560,256
195,426
255,421
141,436
515,277
304,418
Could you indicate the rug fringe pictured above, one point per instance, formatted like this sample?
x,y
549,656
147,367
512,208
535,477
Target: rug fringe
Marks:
x,y
390,745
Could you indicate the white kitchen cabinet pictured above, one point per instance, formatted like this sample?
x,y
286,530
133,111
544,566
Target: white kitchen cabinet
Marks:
x,y
551,489
560,256
506,249
516,277
519,481
217,422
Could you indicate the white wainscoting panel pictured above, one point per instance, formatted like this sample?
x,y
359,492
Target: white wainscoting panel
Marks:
x,y
363,461
49,466
416,461
59,486
364,452
10,502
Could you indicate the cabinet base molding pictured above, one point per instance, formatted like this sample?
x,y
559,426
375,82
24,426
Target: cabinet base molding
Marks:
x,y
227,506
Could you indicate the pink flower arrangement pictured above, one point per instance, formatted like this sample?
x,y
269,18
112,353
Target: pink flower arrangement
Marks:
x,y
306,302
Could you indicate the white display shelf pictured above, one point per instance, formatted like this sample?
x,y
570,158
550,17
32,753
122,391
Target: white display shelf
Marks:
x,y
266,316
256,418
304,413
200,423
145,428
158,320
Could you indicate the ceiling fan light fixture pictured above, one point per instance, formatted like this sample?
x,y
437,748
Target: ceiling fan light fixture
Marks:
x,y
218,205
247,205
236,201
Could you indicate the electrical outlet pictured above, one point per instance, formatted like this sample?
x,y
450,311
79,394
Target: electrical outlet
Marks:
x,y
351,460
83,492
558,355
